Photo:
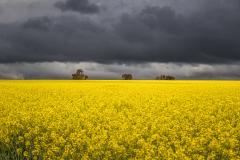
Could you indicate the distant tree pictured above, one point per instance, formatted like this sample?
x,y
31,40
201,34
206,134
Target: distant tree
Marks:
x,y
170,78
165,77
79,75
127,76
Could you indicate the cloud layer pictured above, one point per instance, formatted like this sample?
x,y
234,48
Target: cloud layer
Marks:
x,y
120,32
61,70
153,34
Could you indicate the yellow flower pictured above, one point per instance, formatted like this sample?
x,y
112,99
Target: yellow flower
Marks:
x,y
25,154
120,119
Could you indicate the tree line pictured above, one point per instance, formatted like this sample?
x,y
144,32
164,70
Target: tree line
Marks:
x,y
80,75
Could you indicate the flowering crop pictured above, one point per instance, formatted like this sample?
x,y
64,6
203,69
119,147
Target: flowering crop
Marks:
x,y
119,120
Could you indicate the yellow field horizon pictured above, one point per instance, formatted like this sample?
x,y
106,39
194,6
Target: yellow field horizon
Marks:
x,y
117,119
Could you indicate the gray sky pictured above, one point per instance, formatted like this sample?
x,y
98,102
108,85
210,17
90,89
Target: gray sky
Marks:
x,y
190,39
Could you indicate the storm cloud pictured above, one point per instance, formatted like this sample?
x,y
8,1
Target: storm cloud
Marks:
x,y
81,6
122,32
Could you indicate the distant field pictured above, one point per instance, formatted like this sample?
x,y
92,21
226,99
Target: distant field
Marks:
x,y
119,120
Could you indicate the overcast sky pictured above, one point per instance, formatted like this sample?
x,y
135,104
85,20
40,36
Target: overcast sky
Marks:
x,y
189,39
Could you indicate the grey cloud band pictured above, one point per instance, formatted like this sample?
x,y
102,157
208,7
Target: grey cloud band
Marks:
x,y
154,33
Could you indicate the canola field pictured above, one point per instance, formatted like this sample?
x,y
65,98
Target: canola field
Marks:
x,y
73,120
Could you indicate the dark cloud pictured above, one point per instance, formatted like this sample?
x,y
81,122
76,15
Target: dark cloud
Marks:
x,y
81,6
42,23
154,34
61,39
203,37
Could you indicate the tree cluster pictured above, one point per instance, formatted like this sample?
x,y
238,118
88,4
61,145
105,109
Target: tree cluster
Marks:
x,y
165,77
127,76
79,75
